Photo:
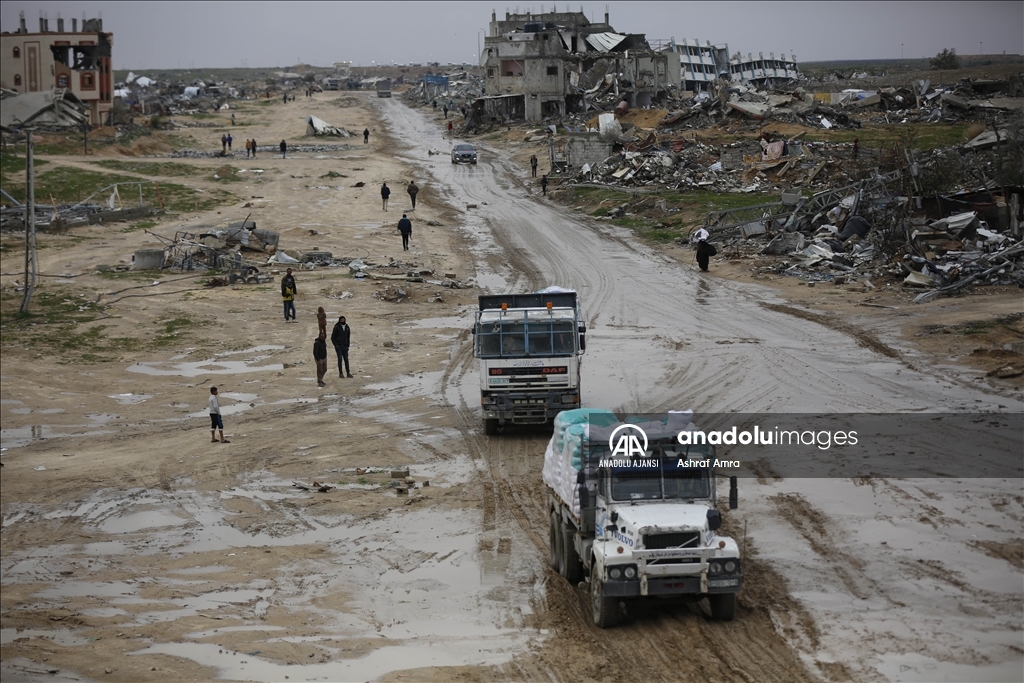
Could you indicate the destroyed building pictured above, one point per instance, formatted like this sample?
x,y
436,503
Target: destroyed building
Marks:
x,y
76,60
699,65
541,65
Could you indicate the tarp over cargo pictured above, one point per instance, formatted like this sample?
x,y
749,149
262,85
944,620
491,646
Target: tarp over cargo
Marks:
x,y
576,429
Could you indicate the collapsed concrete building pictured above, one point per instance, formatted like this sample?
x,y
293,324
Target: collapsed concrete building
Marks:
x,y
556,63
541,65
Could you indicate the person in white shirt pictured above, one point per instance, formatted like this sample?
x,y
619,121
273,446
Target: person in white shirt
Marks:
x,y
216,423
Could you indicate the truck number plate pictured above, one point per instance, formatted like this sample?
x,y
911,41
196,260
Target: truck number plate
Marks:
x,y
499,380
722,583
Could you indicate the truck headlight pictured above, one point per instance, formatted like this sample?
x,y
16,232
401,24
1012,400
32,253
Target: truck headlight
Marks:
x,y
570,398
714,568
630,572
730,566
615,573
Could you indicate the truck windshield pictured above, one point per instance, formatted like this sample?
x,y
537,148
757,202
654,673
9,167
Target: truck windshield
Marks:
x,y
667,478
523,335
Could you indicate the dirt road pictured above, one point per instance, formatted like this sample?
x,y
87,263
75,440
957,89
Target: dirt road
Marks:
x,y
132,544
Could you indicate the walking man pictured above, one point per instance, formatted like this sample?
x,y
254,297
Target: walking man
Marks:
x,y
248,147
445,108
544,185
320,356
216,422
229,141
385,192
366,135
254,148
232,119
223,143
288,294
284,148
533,165
449,129
405,227
341,335
704,250
413,190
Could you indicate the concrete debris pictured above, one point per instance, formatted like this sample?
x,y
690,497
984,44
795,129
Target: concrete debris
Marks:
x,y
855,234
57,108
319,127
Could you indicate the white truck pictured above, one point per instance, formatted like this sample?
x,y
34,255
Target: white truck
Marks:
x,y
529,346
642,525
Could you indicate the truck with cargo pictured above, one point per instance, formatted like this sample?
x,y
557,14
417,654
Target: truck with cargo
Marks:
x,y
384,87
642,525
530,348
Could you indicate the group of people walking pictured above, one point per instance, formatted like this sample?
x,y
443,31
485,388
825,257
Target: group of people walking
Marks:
x,y
341,335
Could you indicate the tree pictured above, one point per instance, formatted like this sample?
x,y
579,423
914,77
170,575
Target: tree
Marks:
x,y
945,60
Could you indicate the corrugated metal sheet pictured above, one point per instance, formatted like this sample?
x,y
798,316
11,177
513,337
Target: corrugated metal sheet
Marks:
x,y
604,42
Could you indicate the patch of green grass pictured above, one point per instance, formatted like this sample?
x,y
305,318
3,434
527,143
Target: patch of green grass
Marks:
x,y
12,163
143,225
174,329
151,168
926,136
226,174
68,185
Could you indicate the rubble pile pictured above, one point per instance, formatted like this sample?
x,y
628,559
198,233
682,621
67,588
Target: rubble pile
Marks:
x,y
866,232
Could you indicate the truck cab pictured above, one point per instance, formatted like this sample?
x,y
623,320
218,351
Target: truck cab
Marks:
x,y
648,527
529,347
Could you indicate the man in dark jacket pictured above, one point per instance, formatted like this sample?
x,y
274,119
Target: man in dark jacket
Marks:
x,y
288,294
254,148
366,135
320,356
413,190
405,227
341,335
385,192
284,148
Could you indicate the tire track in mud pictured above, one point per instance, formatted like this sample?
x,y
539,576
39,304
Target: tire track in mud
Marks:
x,y
657,643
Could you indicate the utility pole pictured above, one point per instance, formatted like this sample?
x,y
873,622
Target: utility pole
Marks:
x,y
30,225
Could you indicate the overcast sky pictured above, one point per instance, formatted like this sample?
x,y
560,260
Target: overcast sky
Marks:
x,y
167,35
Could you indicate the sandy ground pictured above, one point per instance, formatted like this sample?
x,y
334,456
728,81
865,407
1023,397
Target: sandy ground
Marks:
x,y
133,548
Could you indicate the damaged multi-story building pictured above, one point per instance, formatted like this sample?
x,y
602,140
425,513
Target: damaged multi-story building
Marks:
x,y
700,65
556,63
75,60
542,65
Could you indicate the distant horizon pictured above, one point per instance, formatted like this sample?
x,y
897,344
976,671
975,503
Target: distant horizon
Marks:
x,y
177,35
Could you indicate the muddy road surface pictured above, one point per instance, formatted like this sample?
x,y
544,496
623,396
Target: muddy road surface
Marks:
x,y
664,336
134,549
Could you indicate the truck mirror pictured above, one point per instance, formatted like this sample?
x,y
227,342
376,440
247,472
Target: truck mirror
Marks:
x,y
734,496
583,342
472,330
581,478
714,520
583,329
584,497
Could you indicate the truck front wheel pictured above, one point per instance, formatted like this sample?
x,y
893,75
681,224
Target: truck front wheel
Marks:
x,y
605,609
553,542
723,606
491,426
572,566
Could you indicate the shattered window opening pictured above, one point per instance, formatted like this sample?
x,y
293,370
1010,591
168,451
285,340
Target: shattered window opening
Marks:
x,y
16,53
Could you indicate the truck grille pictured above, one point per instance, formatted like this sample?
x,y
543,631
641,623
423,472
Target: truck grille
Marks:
x,y
682,539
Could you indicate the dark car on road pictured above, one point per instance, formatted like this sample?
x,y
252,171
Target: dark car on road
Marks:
x,y
463,153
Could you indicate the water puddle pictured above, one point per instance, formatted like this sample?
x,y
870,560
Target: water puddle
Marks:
x,y
63,637
136,522
210,367
243,667
130,399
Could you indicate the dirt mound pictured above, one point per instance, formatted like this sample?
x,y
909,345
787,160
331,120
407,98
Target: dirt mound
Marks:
x,y
641,118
